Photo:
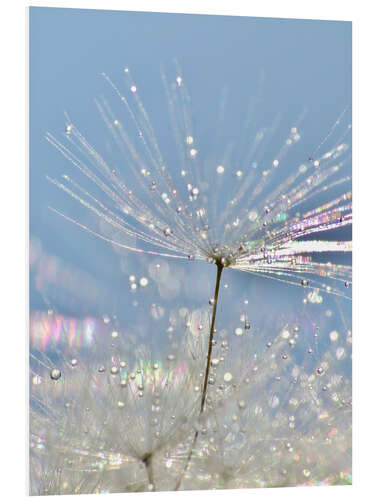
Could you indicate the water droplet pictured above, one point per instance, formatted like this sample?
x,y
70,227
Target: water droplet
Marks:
x,y
247,325
193,153
228,377
133,89
170,357
333,336
36,380
220,169
189,139
238,331
346,284
143,281
241,404
68,129
101,369
285,334
306,472
275,163
168,231
319,370
155,366
114,370
194,192
214,361
239,174
106,319
284,356
211,301
123,383
304,282
269,344
120,404
74,362
114,334
316,163
55,374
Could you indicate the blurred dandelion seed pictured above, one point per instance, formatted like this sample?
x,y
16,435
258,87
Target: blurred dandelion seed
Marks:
x,y
97,434
260,228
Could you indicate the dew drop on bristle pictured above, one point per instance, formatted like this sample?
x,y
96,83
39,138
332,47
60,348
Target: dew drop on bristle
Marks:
x,y
55,374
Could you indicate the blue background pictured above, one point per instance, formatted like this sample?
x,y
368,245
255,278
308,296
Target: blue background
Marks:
x,y
294,64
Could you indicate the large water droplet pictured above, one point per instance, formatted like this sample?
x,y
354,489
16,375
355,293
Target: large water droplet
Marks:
x,y
238,331
55,374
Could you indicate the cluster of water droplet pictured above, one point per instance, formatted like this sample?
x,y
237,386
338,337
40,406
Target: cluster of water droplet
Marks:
x,y
120,416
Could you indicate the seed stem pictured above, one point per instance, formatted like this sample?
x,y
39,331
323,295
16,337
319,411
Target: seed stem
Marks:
x,y
148,465
207,372
212,330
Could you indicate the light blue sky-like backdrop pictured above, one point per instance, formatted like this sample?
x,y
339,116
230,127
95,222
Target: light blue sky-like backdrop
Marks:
x,y
298,64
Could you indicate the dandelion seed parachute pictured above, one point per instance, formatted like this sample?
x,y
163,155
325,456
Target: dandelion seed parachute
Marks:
x,y
261,222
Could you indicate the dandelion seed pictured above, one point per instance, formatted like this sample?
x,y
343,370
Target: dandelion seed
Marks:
x,y
261,227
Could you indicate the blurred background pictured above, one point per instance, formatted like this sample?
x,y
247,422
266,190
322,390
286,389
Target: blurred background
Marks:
x,y
293,67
